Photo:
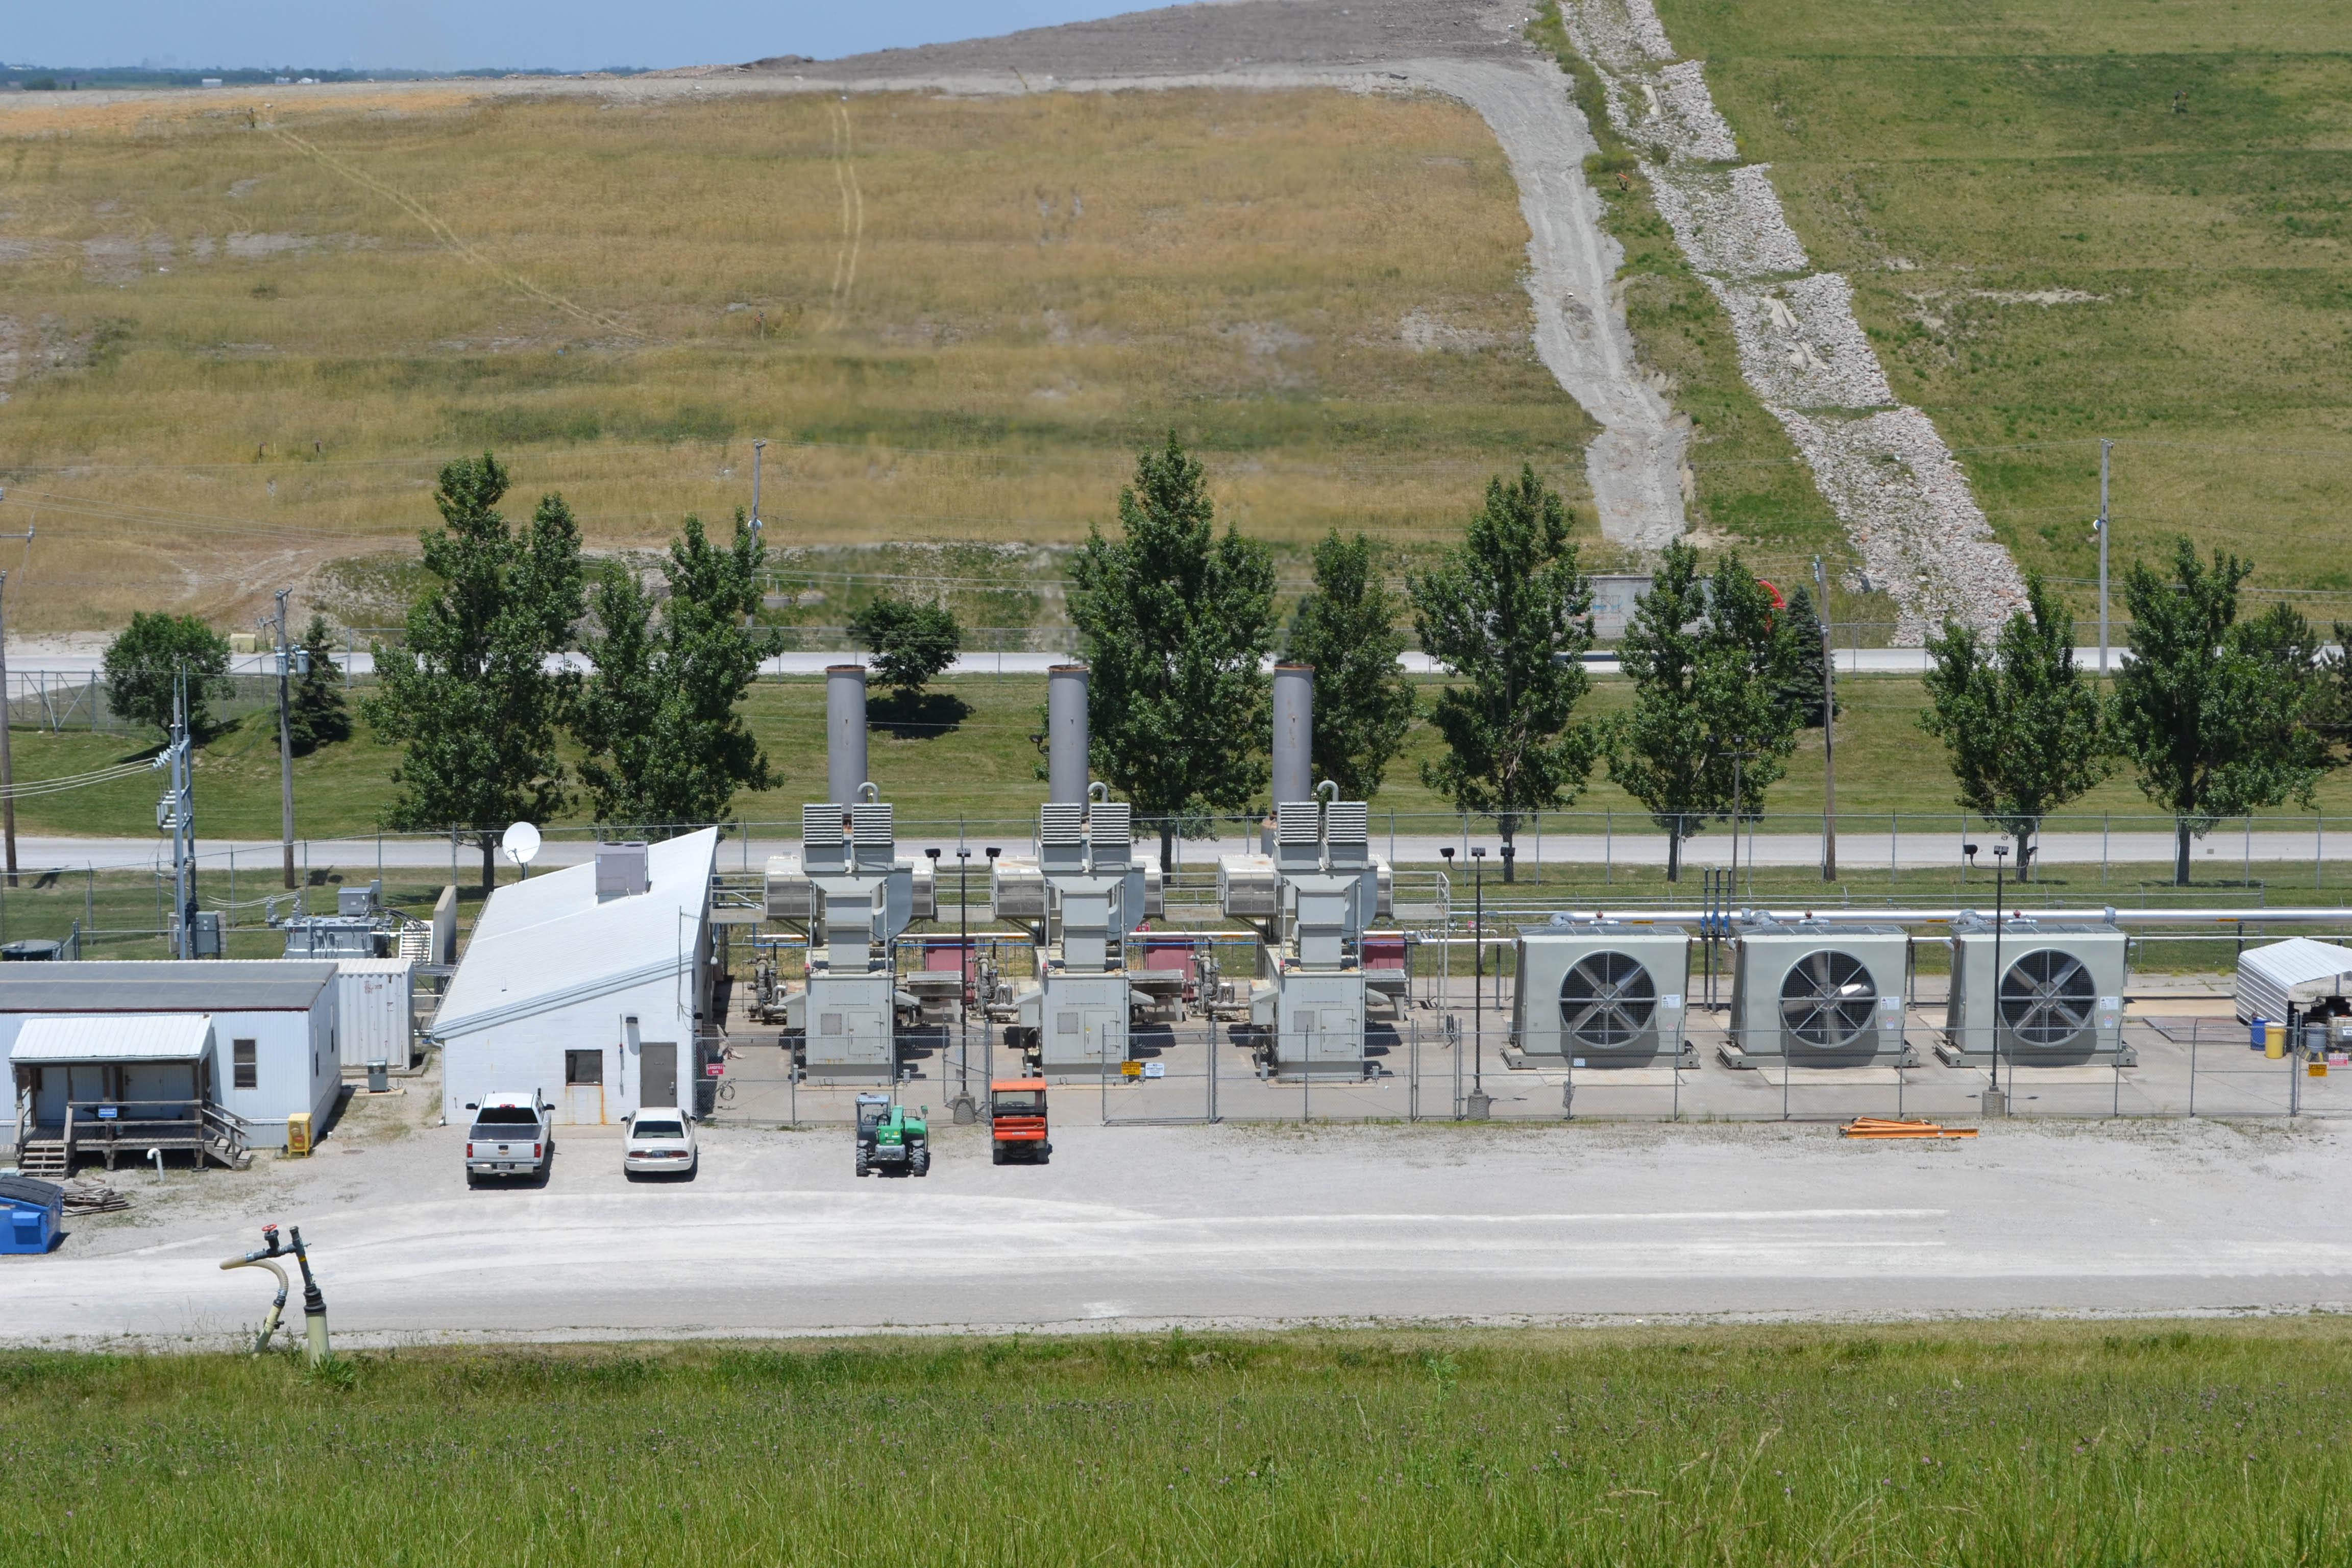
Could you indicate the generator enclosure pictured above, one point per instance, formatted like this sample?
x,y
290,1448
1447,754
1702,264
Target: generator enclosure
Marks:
x,y
1319,1023
849,1025
2053,997
1600,994
1080,1021
1817,994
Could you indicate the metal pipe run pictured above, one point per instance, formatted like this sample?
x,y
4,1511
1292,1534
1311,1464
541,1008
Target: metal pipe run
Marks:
x,y
1860,915
844,731
1294,732
1067,734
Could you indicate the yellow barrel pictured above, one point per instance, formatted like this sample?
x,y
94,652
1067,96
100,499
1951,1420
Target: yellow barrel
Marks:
x,y
297,1128
2275,1041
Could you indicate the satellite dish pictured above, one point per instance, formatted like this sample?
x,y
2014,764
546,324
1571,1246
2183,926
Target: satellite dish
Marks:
x,y
521,843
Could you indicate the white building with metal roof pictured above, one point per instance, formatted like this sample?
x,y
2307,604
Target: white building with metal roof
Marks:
x,y
588,984
274,1050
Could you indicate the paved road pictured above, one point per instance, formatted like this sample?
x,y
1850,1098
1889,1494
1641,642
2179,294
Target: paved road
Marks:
x,y
1235,1225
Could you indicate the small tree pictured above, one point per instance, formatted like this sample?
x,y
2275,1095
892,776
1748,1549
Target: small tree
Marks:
x,y
665,743
1346,628
1804,684
2219,716
1175,620
140,664
315,713
1709,732
911,643
2024,727
1511,615
472,694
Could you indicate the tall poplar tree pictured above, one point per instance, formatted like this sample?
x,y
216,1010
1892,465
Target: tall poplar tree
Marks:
x,y
473,692
1175,619
1348,629
1510,613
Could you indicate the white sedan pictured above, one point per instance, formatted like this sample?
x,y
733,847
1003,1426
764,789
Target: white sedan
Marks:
x,y
660,1143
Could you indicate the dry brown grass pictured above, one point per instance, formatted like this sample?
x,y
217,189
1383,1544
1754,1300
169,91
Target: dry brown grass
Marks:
x,y
244,340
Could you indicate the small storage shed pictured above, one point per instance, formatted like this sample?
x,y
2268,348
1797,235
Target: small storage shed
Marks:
x,y
31,1212
590,983
374,1010
2298,971
275,1048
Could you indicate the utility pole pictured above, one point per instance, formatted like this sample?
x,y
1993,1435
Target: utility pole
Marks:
x,y
2100,527
176,813
284,742
8,765
1828,722
758,448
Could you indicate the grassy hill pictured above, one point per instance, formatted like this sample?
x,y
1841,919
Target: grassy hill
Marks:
x,y
2086,218
246,332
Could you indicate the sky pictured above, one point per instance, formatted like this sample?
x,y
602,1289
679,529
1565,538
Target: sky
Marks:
x,y
459,35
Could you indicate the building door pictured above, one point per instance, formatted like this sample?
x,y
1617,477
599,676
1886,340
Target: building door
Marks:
x,y
50,1097
658,1075
583,1088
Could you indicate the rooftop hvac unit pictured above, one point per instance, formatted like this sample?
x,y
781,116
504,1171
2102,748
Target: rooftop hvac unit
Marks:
x,y
1818,995
2059,1001
1600,994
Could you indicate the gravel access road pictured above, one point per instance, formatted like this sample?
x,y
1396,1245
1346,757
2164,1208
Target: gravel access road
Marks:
x,y
1140,1226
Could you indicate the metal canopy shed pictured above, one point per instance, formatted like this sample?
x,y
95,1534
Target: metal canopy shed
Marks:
x,y
2294,971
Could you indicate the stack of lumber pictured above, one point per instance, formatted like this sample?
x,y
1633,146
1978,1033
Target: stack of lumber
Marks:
x,y
1881,1127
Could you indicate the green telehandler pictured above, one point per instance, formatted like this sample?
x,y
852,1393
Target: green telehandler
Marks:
x,y
892,1137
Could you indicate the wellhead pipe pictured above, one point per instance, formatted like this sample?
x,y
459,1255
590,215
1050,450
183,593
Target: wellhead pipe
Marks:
x,y
1067,734
1294,732
844,731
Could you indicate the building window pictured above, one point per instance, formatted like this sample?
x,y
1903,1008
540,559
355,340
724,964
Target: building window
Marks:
x,y
582,1067
245,1064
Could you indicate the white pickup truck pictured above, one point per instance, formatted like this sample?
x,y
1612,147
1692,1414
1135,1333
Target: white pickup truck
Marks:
x,y
511,1135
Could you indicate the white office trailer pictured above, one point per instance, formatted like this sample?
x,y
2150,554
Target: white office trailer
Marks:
x,y
590,983
375,1010
274,1051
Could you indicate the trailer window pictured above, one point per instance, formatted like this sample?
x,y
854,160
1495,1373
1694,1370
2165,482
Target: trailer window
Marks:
x,y
245,1062
584,1068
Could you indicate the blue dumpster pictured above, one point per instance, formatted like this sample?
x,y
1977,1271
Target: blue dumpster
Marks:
x,y
30,1213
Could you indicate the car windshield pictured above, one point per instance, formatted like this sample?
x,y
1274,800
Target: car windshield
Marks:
x,y
506,1116
1029,1103
657,1130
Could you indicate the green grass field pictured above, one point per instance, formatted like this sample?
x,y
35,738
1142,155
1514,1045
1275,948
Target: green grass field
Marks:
x,y
1989,1445
969,754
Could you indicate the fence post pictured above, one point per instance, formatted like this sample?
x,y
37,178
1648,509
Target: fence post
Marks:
x,y
2196,1029
2103,850
1608,847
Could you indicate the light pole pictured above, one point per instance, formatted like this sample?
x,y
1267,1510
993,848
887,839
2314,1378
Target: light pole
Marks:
x,y
758,448
964,975
7,764
1478,970
2099,528
1828,722
285,739
988,1039
1446,854
1999,864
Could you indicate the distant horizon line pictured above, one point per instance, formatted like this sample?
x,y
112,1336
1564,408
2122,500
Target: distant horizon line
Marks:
x,y
15,70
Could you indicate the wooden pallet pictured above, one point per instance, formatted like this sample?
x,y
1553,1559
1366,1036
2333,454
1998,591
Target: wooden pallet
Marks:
x,y
1883,1127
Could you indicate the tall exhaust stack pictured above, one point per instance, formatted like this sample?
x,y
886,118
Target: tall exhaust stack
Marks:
x,y
1065,734
844,731
1294,732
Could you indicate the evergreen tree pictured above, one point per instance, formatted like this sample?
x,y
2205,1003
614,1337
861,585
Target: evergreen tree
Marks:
x,y
1511,615
666,746
1346,628
1175,620
2024,727
1802,686
142,660
1709,732
470,694
315,713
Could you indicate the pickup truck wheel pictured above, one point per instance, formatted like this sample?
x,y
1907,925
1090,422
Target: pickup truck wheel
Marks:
x,y
472,1180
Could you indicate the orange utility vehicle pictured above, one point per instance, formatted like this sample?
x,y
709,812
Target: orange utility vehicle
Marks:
x,y
1017,1117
